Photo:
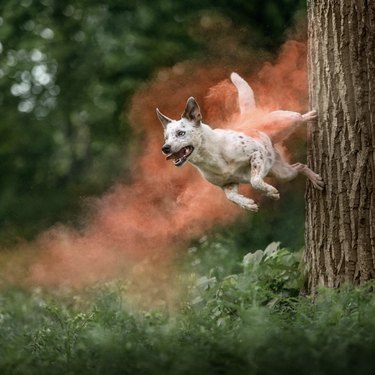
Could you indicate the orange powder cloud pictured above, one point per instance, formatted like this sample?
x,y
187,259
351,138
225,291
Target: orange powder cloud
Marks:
x,y
164,206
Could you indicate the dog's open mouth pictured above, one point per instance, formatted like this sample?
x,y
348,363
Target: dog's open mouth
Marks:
x,y
181,156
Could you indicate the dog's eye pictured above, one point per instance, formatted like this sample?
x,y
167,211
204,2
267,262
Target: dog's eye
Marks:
x,y
180,133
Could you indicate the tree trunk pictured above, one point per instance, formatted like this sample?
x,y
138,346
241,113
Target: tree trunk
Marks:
x,y
340,221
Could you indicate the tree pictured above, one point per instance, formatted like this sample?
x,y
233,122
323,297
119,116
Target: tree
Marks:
x,y
340,221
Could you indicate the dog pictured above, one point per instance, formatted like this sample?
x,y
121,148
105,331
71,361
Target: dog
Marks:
x,y
227,158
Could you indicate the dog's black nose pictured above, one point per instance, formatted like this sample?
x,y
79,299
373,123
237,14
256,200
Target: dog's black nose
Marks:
x,y
166,149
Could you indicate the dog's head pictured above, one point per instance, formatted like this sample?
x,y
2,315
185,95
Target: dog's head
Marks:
x,y
182,136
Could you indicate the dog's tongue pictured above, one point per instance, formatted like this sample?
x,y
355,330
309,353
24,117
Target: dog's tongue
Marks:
x,y
176,155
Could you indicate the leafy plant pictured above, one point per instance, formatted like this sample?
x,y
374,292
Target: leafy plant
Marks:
x,y
239,314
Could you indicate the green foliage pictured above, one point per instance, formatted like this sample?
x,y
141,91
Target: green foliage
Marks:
x,y
265,278
236,316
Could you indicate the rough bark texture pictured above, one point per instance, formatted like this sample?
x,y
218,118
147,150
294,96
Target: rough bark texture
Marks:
x,y
340,221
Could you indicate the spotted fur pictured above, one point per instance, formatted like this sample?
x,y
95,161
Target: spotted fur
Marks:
x,y
228,158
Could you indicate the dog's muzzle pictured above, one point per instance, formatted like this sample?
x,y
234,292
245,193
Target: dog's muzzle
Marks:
x,y
179,157
166,149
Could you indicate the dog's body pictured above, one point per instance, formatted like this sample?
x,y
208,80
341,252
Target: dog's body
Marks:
x,y
228,158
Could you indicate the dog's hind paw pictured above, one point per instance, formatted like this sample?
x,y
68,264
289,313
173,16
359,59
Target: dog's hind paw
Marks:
x,y
312,115
315,179
317,182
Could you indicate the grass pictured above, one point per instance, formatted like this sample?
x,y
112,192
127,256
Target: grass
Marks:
x,y
237,315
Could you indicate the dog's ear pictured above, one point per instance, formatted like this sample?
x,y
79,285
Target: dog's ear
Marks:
x,y
192,111
163,119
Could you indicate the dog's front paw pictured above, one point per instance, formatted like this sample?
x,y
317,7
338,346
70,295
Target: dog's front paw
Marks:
x,y
251,207
273,194
249,204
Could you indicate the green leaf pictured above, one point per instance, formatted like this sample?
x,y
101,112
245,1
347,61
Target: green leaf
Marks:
x,y
253,259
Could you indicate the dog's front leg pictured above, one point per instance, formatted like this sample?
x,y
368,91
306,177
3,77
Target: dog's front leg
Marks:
x,y
231,192
257,174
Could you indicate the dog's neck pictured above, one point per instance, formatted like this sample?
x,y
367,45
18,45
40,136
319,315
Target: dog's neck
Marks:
x,y
207,148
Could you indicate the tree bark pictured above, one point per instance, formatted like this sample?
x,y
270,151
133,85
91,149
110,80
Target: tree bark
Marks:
x,y
340,221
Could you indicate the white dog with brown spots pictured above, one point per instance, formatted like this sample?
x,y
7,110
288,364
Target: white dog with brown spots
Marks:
x,y
228,158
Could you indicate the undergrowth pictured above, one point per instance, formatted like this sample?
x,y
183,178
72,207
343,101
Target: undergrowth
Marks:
x,y
238,315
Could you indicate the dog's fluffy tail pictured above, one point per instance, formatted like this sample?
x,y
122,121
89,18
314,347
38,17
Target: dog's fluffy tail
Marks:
x,y
246,98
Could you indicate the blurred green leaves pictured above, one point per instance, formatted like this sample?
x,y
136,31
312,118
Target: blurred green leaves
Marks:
x,y
266,277
251,320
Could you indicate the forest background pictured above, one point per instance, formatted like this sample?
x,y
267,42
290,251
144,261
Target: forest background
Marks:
x,y
74,77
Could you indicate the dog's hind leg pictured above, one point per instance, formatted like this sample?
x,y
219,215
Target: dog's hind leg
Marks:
x,y
231,192
315,179
286,172
258,172
246,98
284,123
